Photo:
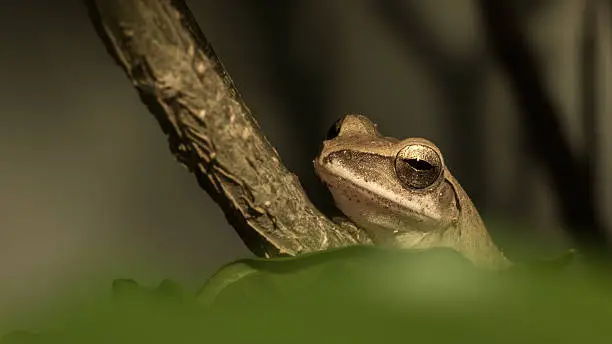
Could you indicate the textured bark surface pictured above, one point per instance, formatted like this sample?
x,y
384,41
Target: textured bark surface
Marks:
x,y
210,129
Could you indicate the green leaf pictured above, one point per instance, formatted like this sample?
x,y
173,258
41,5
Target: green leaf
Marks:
x,y
361,294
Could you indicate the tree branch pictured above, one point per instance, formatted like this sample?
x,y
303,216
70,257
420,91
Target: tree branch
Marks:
x,y
210,130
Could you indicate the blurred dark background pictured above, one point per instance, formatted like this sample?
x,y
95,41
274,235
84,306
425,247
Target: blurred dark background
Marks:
x,y
515,94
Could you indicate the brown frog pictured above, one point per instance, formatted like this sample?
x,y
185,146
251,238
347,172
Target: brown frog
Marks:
x,y
401,193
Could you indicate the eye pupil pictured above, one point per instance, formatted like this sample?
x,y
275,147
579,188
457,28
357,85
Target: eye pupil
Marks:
x,y
419,164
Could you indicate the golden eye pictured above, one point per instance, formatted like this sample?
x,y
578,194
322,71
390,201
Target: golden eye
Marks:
x,y
418,166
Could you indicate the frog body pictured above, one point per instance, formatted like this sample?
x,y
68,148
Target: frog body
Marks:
x,y
401,193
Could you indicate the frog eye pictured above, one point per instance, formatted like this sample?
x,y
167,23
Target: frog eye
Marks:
x,y
418,166
334,130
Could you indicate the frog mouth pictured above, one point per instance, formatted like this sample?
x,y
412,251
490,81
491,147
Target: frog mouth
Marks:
x,y
355,201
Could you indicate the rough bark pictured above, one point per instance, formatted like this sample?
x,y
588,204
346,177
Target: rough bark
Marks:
x,y
210,129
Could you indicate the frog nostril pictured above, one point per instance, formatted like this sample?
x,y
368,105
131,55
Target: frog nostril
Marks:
x,y
419,165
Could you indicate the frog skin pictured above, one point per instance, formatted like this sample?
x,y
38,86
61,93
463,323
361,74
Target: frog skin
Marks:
x,y
401,193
